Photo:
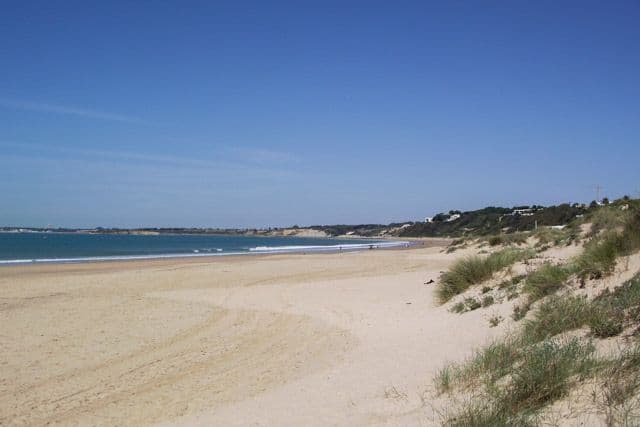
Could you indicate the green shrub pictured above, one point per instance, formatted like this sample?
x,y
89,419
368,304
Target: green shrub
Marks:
x,y
495,240
507,239
474,270
472,304
547,279
520,311
544,373
458,307
606,321
486,289
610,310
620,379
483,414
516,238
443,380
495,321
554,316
623,297
489,363
601,253
607,218
599,256
487,301
530,380
546,235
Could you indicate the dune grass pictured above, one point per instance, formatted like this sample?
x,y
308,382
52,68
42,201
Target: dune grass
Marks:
x,y
473,270
520,374
514,378
611,312
518,238
529,380
545,280
547,236
607,218
602,252
554,316
607,315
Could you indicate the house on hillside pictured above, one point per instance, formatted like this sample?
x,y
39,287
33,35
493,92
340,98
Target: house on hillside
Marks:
x,y
453,217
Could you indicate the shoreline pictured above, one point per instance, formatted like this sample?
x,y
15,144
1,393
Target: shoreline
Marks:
x,y
350,247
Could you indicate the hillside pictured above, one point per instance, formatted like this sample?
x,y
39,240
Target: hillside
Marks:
x,y
491,220
568,302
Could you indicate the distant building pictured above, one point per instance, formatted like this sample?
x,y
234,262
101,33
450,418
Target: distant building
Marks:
x,y
428,219
453,217
523,212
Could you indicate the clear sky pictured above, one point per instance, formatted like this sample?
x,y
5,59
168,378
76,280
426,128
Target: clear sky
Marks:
x,y
278,113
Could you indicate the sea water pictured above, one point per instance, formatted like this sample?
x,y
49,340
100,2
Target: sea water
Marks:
x,y
76,247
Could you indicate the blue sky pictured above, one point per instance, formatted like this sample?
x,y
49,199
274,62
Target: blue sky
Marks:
x,y
279,113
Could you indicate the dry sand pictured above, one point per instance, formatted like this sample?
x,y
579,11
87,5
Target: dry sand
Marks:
x,y
322,339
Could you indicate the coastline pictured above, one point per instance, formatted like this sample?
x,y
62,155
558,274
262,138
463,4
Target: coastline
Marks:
x,y
261,250
284,339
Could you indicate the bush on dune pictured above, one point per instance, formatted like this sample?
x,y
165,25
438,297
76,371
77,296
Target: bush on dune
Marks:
x,y
474,270
547,279
554,316
529,381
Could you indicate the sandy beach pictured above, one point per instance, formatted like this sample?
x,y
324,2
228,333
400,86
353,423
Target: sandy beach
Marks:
x,y
315,339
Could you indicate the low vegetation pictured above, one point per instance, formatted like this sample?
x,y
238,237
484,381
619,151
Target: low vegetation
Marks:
x,y
512,380
494,220
545,280
473,270
515,383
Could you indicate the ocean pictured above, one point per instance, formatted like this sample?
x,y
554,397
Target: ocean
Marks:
x,y
18,248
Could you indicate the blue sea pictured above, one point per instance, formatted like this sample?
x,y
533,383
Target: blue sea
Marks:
x,y
73,247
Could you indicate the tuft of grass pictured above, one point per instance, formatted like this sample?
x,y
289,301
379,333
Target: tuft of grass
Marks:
x,y
612,310
605,315
601,253
483,414
495,240
468,304
489,364
605,321
529,380
458,307
550,236
443,380
495,321
486,289
599,256
547,279
554,316
544,373
607,218
474,270
619,381
487,301
512,295
520,311
472,304
507,239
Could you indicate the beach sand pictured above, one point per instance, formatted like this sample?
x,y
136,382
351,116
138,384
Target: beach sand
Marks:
x,y
316,339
